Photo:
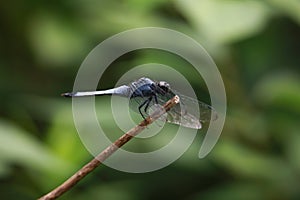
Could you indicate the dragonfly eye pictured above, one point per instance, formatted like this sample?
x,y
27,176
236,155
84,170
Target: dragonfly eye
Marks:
x,y
164,86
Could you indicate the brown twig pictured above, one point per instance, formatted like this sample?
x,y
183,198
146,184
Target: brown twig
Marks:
x,y
89,167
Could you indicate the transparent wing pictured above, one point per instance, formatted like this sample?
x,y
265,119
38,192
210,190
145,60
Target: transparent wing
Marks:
x,y
206,112
184,114
190,112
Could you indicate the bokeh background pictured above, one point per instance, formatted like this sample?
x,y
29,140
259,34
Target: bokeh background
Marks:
x,y
255,45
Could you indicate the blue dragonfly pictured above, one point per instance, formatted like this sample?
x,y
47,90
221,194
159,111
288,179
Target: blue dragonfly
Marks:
x,y
145,93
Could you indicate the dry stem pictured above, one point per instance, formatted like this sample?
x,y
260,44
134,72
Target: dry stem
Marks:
x,y
73,180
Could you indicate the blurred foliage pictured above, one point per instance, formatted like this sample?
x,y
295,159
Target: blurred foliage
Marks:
x,y
256,46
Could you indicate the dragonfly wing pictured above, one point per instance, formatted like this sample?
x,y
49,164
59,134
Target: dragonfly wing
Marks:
x,y
179,113
205,113
183,119
191,113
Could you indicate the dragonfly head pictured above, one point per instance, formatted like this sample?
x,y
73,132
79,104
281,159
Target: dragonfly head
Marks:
x,y
163,86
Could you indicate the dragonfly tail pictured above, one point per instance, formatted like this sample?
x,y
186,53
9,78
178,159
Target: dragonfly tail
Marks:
x,y
79,94
121,91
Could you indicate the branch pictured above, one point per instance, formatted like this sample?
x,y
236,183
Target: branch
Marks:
x,y
89,167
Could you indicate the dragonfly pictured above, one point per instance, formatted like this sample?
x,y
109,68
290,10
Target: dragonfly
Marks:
x,y
145,93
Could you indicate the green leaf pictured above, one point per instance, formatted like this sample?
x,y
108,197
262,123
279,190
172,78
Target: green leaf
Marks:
x,y
289,7
55,41
279,89
225,21
244,161
19,147
232,191
63,138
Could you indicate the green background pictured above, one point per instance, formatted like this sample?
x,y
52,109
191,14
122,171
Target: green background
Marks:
x,y
255,45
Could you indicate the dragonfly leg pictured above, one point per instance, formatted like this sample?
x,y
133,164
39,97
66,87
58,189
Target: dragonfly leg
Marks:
x,y
155,98
140,107
147,104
